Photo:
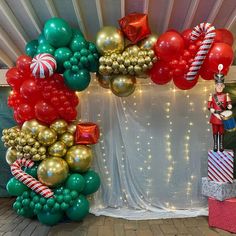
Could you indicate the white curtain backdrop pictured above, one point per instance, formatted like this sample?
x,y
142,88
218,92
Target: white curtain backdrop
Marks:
x,y
152,151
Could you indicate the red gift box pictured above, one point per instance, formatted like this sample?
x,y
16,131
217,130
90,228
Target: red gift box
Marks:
x,y
222,215
221,166
87,133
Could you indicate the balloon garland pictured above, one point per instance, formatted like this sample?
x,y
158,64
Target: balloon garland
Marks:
x,y
50,156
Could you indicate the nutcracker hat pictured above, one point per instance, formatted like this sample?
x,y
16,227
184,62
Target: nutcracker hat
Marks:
x,y
219,77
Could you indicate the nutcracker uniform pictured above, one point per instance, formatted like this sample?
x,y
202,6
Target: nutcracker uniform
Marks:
x,y
217,103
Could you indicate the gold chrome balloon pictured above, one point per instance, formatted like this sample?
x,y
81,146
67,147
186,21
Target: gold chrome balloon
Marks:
x,y
104,80
47,137
52,171
60,126
79,158
67,138
33,127
57,149
11,155
109,40
123,85
132,50
148,42
71,128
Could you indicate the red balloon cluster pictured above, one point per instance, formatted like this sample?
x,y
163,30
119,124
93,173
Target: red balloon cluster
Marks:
x,y
43,99
176,53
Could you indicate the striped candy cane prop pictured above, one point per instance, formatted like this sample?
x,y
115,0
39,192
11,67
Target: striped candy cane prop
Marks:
x,y
43,65
209,31
28,180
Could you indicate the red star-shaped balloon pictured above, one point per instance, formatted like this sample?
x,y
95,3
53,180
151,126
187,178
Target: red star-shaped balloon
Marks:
x,y
135,26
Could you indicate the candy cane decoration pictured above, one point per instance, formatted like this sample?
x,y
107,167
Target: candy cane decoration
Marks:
x,y
209,31
28,180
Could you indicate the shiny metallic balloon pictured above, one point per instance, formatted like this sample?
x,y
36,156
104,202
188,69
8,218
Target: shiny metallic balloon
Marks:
x,y
57,149
71,128
148,42
132,50
104,80
123,85
60,126
52,171
47,137
79,158
109,40
11,155
67,138
33,127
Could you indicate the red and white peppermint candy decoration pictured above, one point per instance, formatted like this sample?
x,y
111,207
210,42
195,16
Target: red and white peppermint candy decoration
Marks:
x,y
28,180
43,65
210,33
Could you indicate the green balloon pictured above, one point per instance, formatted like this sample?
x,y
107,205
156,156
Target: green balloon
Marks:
x,y
26,212
31,48
78,43
59,190
57,32
92,182
92,48
75,182
41,39
45,48
32,171
17,205
61,55
77,32
77,81
15,187
79,209
93,63
49,218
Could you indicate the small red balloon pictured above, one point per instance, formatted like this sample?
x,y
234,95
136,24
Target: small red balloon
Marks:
x,y
23,64
13,77
186,34
181,82
29,90
25,112
224,36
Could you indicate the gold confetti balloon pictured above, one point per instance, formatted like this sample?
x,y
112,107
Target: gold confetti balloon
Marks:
x,y
123,85
52,171
79,158
148,42
11,155
109,40
104,80
60,126
33,127
57,149
47,137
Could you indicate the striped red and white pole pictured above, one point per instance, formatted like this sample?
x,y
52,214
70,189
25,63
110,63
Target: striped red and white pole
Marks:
x,y
28,180
210,33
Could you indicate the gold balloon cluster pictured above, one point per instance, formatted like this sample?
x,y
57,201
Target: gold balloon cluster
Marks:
x,y
134,61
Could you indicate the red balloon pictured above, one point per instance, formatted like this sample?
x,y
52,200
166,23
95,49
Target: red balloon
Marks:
x,y
192,49
207,74
184,84
45,112
160,73
29,90
224,36
23,64
25,112
187,55
17,118
186,34
13,78
169,45
220,53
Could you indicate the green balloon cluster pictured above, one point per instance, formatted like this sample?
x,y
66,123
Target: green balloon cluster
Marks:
x,y
68,199
75,56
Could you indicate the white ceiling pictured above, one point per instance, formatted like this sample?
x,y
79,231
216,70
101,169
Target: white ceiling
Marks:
x,y
22,20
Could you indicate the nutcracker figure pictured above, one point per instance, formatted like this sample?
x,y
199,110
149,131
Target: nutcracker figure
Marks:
x,y
218,103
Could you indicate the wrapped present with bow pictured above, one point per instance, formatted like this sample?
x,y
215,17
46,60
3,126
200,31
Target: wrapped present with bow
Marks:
x,y
87,133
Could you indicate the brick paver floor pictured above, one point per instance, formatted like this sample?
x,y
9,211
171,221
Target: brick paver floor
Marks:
x,y
13,225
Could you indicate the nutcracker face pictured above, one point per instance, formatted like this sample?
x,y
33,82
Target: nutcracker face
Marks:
x,y
219,87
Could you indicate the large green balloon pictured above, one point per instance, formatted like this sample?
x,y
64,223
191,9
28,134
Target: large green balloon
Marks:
x,y
77,81
92,182
15,187
62,55
57,32
49,218
32,171
77,43
45,48
31,48
79,209
41,39
75,182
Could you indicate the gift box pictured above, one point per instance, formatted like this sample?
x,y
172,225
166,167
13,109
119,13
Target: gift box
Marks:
x,y
222,215
220,166
87,133
217,190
